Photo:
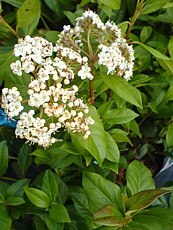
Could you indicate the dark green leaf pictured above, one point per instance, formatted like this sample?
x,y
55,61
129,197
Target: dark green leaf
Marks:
x,y
59,213
3,157
152,6
138,178
28,17
49,185
123,89
38,197
5,220
155,218
112,153
16,3
51,224
96,142
119,116
17,188
14,201
169,136
101,192
145,33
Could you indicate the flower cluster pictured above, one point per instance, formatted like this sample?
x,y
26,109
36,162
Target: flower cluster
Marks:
x,y
11,101
51,97
112,50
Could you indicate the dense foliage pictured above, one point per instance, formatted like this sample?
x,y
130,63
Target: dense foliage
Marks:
x,y
82,136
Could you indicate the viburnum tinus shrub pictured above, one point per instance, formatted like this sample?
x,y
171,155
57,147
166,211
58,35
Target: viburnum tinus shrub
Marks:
x,y
74,108
52,102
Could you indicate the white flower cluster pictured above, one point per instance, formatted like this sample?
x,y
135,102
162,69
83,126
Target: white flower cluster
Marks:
x,y
31,51
115,54
11,101
52,69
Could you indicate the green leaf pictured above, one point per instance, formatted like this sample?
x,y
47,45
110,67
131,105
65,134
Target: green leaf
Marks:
x,y
145,33
2,199
101,192
110,216
81,204
28,17
138,178
163,60
3,157
153,5
14,201
170,47
17,188
49,185
120,135
169,94
71,16
16,3
169,136
119,116
143,199
96,142
38,197
39,222
59,213
123,89
155,218
112,4
112,153
5,220
51,224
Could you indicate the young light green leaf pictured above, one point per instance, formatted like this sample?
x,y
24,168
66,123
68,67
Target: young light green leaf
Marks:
x,y
28,16
142,200
110,216
38,197
123,89
119,116
5,220
114,5
59,213
96,142
3,157
153,5
169,136
101,192
138,178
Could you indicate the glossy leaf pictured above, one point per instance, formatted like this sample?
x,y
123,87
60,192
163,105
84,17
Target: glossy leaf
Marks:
x,y
119,116
14,201
96,142
142,200
49,185
110,216
123,89
152,6
112,153
17,188
38,197
5,221
138,178
101,192
114,5
28,17
155,218
59,213
169,136
3,157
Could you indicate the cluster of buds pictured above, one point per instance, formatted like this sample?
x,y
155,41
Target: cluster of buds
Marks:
x,y
52,103
111,51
